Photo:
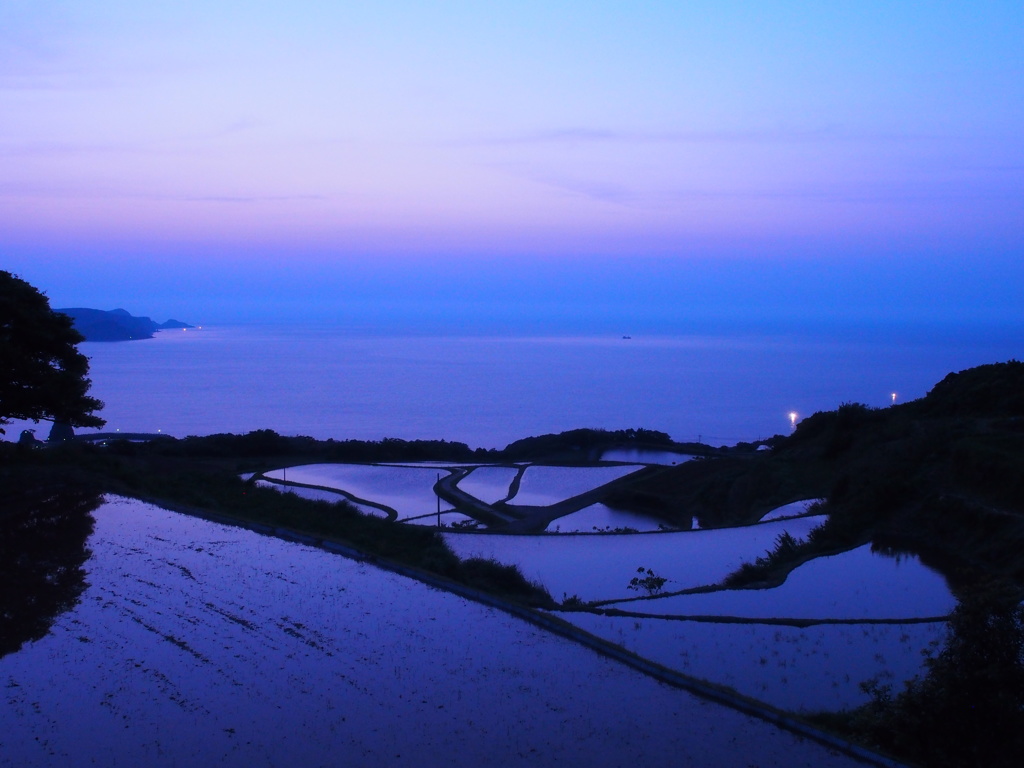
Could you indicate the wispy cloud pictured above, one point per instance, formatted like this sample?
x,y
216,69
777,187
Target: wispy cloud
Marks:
x,y
242,199
579,136
605,192
57,80
95,192
62,148
840,193
187,142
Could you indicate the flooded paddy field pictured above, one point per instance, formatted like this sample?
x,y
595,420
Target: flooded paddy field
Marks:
x,y
321,494
806,644
489,484
644,456
543,485
407,490
862,616
853,585
599,567
792,509
802,669
600,518
195,643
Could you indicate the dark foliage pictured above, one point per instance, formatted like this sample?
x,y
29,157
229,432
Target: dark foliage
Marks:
x,y
42,373
941,476
648,581
577,445
500,579
583,444
968,710
992,391
266,443
786,551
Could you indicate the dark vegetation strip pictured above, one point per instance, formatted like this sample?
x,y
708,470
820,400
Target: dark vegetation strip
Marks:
x,y
391,513
780,621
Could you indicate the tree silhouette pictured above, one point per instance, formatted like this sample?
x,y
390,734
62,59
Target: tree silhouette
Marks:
x,y
42,373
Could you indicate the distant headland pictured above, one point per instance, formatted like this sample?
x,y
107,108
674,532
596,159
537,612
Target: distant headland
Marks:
x,y
116,324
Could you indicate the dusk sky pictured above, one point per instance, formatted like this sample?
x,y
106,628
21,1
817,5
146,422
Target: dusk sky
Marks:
x,y
671,160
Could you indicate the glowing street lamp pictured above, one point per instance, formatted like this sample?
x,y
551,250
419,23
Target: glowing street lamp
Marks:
x,y
792,419
894,398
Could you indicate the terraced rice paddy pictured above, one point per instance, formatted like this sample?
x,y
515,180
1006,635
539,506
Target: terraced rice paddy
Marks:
x,y
809,669
808,643
200,644
600,567
855,585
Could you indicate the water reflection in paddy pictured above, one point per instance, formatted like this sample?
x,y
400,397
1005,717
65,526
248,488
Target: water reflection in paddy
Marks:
x,y
448,519
201,644
812,668
319,494
407,490
543,486
600,567
644,456
858,584
802,668
600,517
788,510
429,464
808,668
489,484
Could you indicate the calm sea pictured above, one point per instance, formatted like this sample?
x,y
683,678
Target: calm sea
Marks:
x,y
325,382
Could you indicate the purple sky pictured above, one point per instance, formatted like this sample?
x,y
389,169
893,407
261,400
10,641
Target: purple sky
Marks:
x,y
230,161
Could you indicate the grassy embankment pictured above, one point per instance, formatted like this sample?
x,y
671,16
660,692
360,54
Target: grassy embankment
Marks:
x,y
209,485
